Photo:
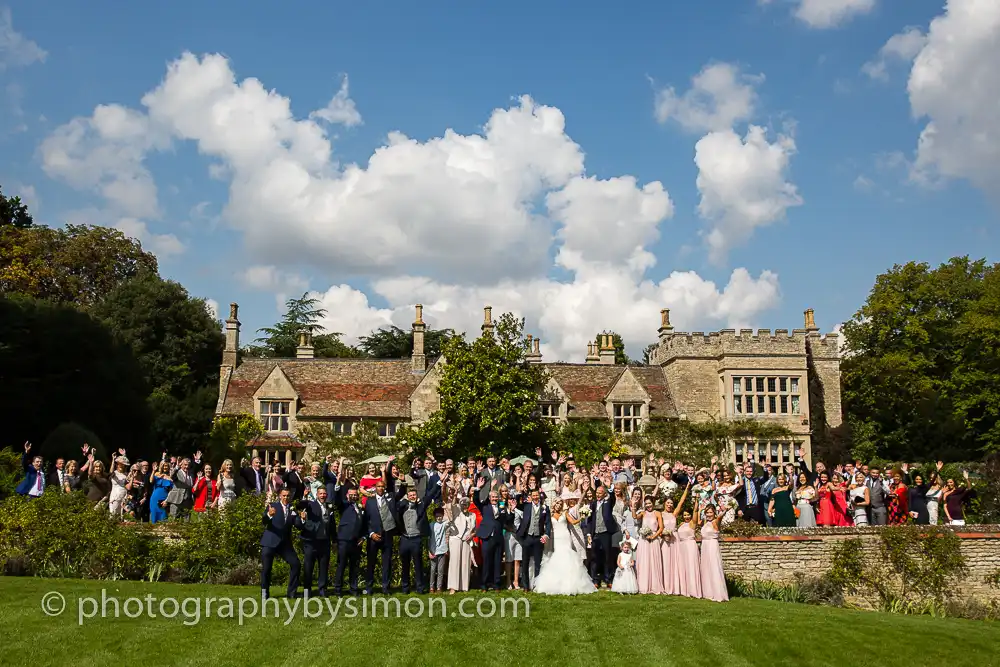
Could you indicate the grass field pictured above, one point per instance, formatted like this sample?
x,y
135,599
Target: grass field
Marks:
x,y
599,629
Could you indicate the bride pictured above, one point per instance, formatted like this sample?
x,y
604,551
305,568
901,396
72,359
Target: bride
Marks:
x,y
562,570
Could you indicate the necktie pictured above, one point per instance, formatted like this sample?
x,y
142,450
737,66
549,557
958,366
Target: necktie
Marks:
x,y
256,479
38,476
751,492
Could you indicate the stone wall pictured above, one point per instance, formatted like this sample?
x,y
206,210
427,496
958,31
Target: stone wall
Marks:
x,y
781,557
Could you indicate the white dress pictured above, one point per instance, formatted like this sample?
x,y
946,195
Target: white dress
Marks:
x,y
576,534
562,570
625,581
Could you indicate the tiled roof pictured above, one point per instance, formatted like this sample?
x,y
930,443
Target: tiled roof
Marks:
x,y
330,387
586,386
268,440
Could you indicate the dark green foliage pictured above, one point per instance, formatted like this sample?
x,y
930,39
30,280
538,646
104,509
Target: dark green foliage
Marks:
x,y
923,363
14,213
396,343
281,340
61,365
67,441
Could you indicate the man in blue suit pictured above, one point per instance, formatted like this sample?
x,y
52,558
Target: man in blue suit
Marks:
x,y
600,529
318,527
350,534
535,530
490,531
279,519
382,519
33,484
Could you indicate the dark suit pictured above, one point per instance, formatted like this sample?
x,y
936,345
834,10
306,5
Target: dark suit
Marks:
x,y
490,532
755,511
494,478
252,478
350,531
277,541
31,475
411,546
330,479
531,545
317,532
381,548
602,565
296,487
52,479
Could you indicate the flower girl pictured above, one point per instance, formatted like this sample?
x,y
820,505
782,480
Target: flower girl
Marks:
x,y
625,581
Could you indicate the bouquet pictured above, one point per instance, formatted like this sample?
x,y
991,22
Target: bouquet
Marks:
x,y
645,532
727,503
584,511
668,488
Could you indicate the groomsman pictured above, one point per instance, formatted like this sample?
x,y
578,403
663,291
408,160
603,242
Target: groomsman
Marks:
x,y
382,520
318,525
413,512
600,530
493,478
534,531
490,532
350,534
279,519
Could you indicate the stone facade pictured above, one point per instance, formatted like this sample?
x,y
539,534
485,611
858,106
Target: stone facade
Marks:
x,y
721,375
781,558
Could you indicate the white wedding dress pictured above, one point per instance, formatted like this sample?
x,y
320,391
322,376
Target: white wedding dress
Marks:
x,y
562,570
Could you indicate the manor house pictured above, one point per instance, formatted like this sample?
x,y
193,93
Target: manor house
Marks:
x,y
791,378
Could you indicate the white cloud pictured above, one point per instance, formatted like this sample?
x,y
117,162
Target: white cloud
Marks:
x,y
901,47
822,14
212,306
955,84
454,221
273,279
863,184
162,245
28,195
341,109
720,96
743,185
105,154
16,50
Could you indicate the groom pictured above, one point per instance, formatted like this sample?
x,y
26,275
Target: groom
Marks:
x,y
535,530
600,528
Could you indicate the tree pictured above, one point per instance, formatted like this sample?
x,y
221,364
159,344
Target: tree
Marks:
x,y
396,343
14,213
229,437
178,344
363,442
588,440
647,353
922,363
489,395
282,339
698,442
61,365
77,264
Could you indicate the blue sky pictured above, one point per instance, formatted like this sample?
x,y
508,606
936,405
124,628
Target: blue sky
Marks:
x,y
837,193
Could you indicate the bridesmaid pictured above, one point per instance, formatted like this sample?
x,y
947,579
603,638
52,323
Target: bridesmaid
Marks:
x,y
649,557
689,562
780,507
669,548
713,578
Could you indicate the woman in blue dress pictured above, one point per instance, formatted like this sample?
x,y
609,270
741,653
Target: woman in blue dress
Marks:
x,y
158,498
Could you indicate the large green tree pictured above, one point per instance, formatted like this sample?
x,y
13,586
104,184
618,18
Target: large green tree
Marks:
x,y
78,264
60,365
489,395
281,340
621,358
922,366
14,212
396,343
179,345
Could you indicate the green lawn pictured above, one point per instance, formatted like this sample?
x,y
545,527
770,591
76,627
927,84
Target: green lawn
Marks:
x,y
599,629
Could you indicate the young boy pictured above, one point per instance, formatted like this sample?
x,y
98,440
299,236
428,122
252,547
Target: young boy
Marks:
x,y
438,551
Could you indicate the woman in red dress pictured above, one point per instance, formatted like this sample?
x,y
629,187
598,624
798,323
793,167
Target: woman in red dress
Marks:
x,y
368,481
824,491
839,497
899,499
205,490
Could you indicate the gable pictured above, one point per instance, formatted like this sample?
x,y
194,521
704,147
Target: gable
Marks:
x,y
276,385
628,389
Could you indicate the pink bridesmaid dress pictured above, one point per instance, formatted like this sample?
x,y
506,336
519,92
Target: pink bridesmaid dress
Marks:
x,y
713,579
670,551
649,559
689,563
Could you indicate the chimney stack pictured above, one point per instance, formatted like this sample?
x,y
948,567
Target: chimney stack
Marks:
x,y
607,351
419,359
592,356
488,321
229,354
305,348
810,317
666,329
534,355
